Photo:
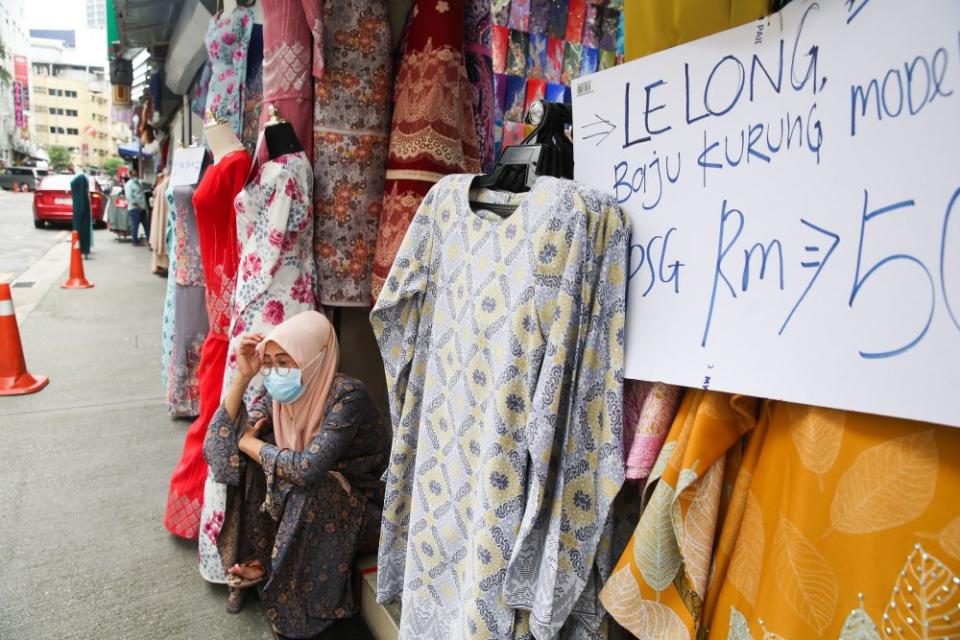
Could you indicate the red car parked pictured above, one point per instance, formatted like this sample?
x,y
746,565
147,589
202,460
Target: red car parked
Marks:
x,y
53,202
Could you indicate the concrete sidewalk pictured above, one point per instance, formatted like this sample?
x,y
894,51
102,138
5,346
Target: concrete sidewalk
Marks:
x,y
84,471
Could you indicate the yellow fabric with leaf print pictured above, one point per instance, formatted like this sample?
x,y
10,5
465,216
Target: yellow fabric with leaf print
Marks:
x,y
829,524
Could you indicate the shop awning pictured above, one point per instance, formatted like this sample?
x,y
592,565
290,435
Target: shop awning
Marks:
x,y
131,151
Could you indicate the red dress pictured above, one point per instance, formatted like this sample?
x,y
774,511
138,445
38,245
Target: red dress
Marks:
x,y
216,226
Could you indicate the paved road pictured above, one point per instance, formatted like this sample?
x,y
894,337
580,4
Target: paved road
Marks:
x,y
20,243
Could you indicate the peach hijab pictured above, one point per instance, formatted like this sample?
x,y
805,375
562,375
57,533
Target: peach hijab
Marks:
x,y
309,338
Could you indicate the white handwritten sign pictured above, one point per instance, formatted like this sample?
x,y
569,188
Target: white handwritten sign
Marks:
x,y
794,188
187,163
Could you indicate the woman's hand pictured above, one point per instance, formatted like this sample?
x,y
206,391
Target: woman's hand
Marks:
x,y
253,431
248,360
250,442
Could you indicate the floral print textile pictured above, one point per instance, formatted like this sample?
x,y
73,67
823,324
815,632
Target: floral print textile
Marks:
x,y
276,273
433,132
292,514
350,128
227,40
502,341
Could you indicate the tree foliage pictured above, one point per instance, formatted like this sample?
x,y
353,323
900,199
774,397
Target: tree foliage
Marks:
x,y
5,76
110,165
60,157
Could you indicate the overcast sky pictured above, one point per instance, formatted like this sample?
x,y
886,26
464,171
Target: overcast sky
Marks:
x,y
56,14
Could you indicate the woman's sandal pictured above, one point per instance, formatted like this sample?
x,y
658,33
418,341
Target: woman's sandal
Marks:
x,y
234,600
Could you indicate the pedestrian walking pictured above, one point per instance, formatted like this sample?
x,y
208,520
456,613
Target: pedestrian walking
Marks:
x,y
82,221
137,207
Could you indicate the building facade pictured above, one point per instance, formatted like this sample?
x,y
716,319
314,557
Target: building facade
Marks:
x,y
71,103
15,121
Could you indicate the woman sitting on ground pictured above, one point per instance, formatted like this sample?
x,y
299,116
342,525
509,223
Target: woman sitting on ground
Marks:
x,y
295,522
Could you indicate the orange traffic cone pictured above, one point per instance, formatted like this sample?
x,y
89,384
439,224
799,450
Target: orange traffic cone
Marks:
x,y
77,280
14,379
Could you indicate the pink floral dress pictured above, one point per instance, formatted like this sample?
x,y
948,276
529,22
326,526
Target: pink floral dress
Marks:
x,y
227,41
275,281
276,278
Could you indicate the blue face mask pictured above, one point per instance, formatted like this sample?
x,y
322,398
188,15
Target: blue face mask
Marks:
x,y
287,388
284,389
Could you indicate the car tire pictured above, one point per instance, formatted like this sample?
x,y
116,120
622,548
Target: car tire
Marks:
x,y
39,224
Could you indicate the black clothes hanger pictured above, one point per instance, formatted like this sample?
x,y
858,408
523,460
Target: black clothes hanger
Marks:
x,y
547,151
280,136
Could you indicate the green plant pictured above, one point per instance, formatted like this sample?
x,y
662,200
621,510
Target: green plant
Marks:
x,y
60,157
110,165
5,76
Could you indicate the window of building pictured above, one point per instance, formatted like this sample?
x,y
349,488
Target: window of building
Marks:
x,y
72,113
72,132
70,94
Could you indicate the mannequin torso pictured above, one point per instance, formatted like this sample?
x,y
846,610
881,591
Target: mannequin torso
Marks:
x,y
222,140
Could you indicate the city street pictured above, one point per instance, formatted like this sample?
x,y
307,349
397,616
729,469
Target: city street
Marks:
x,y
86,461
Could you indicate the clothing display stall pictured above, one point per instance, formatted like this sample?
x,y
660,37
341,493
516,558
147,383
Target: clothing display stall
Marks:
x,y
460,175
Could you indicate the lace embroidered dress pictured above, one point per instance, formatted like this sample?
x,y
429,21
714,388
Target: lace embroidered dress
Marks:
x,y
292,57
227,41
351,134
433,132
216,222
502,342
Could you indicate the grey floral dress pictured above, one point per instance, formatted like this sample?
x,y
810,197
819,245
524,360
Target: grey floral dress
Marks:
x,y
296,516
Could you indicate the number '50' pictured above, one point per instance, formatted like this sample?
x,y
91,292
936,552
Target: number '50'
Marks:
x,y
860,280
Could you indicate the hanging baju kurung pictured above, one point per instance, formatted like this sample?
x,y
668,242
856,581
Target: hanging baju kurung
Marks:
x,y
351,135
190,323
292,57
159,259
301,522
227,41
502,341
433,132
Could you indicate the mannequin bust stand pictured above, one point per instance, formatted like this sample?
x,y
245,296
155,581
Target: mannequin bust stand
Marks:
x,y
280,136
222,139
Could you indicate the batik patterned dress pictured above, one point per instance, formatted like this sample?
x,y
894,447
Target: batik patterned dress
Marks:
x,y
292,57
227,40
304,524
190,324
351,122
478,55
502,342
433,132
